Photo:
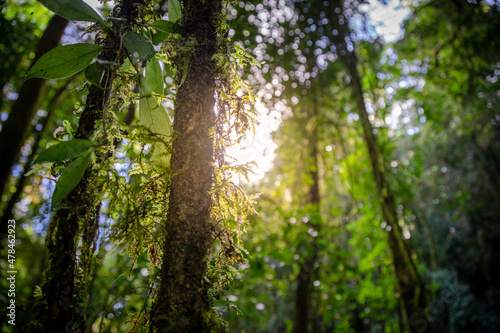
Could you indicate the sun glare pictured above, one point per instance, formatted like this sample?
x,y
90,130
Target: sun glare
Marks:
x,y
386,20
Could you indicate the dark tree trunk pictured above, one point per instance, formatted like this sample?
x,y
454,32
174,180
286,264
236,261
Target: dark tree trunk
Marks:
x,y
15,128
65,296
182,304
304,279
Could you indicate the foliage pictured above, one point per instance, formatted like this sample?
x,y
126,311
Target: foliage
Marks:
x,y
432,99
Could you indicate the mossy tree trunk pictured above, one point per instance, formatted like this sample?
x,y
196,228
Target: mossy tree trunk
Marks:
x,y
182,303
65,297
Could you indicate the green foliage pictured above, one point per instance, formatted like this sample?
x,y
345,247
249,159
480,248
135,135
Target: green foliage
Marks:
x,y
65,150
174,10
167,27
64,61
76,10
71,176
94,73
153,116
140,47
434,97
154,76
77,149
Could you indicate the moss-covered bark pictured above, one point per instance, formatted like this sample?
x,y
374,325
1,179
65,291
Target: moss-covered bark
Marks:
x,y
65,297
182,304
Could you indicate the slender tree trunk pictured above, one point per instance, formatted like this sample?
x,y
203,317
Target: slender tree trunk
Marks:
x,y
410,285
65,296
182,304
409,282
15,128
304,279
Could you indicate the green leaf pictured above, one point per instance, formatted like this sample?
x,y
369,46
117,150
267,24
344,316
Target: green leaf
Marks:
x,y
159,37
64,150
154,76
167,27
64,61
153,116
76,10
140,47
174,10
164,29
69,128
94,73
70,177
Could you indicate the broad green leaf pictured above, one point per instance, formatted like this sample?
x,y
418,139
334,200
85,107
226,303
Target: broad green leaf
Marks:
x,y
70,177
154,76
94,73
164,26
64,61
153,116
174,10
139,46
164,29
159,37
64,150
76,10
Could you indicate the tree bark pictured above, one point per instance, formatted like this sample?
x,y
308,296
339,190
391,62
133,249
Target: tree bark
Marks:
x,y
65,296
182,304
15,128
304,279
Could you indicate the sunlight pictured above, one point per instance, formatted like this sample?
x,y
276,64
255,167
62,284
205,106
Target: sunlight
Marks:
x,y
260,148
387,21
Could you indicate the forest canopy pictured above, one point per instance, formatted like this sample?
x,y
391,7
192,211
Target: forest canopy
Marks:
x,y
250,166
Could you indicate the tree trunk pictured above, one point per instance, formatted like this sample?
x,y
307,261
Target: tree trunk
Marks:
x,y
410,285
15,128
65,296
304,279
182,304
409,282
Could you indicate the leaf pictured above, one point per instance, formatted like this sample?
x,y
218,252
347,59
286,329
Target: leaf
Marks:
x,y
174,10
64,150
164,26
154,76
159,37
64,61
153,116
94,73
70,177
76,10
164,29
140,47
